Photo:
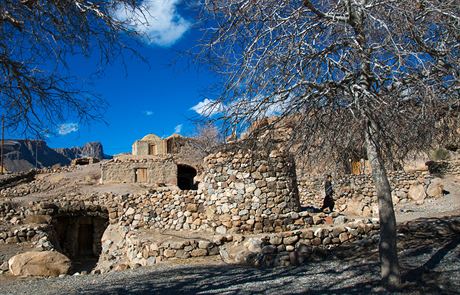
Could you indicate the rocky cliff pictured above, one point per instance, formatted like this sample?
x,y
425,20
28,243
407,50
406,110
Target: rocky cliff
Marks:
x,y
23,155
91,149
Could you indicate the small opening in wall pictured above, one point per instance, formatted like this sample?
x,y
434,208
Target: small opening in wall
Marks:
x,y
185,177
170,146
152,149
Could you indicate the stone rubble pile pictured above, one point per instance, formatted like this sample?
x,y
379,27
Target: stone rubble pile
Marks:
x,y
14,179
10,213
35,186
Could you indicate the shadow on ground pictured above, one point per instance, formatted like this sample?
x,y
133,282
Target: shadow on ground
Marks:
x,y
429,258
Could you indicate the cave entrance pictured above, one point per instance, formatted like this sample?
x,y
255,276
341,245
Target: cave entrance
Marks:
x,y
185,177
79,238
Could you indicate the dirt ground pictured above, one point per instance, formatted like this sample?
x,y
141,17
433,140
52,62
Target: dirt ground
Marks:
x,y
83,180
448,205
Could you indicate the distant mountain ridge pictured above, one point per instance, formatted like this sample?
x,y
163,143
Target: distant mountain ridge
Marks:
x,y
90,149
23,154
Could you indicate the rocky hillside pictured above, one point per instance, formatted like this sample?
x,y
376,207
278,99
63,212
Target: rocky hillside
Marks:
x,y
23,155
91,149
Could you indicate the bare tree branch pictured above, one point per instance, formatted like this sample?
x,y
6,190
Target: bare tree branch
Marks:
x,y
381,76
36,37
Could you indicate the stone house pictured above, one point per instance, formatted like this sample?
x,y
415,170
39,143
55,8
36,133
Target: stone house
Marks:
x,y
150,144
173,161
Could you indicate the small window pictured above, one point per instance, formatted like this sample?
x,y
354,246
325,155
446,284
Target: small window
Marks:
x,y
170,146
152,149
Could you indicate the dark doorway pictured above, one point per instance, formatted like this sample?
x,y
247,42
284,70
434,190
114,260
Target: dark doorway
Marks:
x,y
185,177
85,240
78,236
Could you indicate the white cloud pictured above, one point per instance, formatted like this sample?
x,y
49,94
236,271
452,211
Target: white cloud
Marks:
x,y
148,113
260,107
207,107
276,108
178,128
67,128
161,24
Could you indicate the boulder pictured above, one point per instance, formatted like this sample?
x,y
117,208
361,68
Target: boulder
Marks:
x,y
240,252
416,192
435,188
46,263
355,207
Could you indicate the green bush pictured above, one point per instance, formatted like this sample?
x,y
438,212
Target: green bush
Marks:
x,y
440,154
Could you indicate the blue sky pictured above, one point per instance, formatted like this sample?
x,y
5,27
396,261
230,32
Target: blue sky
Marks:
x,y
146,98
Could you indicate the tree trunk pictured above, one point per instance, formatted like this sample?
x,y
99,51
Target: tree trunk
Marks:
x,y
387,245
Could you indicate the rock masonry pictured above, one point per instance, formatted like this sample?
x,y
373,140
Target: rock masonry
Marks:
x,y
248,202
355,194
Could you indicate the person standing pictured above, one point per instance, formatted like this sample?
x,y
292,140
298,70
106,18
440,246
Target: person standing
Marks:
x,y
328,201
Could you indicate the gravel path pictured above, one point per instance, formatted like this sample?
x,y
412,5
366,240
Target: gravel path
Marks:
x,y
446,205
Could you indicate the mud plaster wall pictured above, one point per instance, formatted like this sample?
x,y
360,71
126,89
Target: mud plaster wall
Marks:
x,y
185,151
141,147
160,170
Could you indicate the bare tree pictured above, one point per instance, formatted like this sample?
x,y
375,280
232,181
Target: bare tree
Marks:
x,y
383,73
207,137
36,37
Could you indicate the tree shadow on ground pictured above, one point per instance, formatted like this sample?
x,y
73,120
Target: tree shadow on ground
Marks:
x,y
429,252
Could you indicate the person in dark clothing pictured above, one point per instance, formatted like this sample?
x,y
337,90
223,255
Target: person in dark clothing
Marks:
x,y
328,201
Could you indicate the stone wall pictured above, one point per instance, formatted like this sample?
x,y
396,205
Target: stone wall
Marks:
x,y
123,248
190,210
444,167
37,233
243,193
240,192
248,191
355,194
160,170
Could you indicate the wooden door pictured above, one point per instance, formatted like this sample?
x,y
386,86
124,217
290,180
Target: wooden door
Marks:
x,y
356,168
141,175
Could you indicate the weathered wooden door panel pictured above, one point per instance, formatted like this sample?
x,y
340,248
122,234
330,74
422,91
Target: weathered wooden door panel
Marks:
x,y
141,175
